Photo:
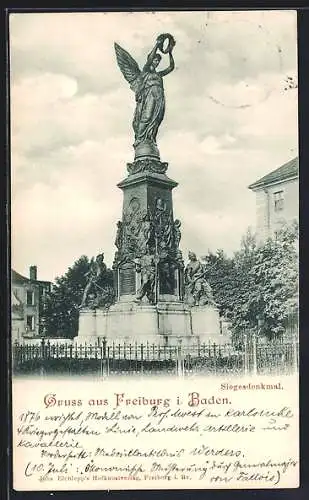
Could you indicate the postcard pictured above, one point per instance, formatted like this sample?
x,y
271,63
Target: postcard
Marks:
x,y
154,288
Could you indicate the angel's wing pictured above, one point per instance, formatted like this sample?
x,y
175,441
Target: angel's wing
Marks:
x,y
128,66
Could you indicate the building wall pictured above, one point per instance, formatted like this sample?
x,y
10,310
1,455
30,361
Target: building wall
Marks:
x,y
18,328
271,212
26,315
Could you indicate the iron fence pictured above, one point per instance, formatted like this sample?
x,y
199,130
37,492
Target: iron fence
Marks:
x,y
107,359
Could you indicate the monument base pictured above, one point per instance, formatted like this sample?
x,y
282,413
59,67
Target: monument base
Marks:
x,y
87,329
169,322
206,324
130,322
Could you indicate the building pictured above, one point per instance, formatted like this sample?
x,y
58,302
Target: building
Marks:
x,y
26,304
276,199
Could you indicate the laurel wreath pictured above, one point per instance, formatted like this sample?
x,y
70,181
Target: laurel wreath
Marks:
x,y
171,43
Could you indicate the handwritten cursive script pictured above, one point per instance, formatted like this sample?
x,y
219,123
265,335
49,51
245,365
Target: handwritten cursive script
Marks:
x,y
187,438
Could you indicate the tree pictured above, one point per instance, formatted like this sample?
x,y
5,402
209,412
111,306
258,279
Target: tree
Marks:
x,y
244,309
259,281
61,311
219,274
268,288
231,283
275,272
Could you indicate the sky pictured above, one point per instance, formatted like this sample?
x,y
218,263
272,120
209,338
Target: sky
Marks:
x,y
228,122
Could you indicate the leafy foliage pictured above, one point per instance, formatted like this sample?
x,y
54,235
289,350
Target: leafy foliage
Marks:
x,y
259,282
220,275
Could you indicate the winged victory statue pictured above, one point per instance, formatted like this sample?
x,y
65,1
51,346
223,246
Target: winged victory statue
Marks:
x,y
149,93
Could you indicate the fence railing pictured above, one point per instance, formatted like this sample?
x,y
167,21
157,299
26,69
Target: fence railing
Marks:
x,y
107,359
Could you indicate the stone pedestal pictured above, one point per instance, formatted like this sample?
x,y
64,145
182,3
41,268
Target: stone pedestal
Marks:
x,y
148,236
166,323
88,330
173,321
205,323
130,322
123,322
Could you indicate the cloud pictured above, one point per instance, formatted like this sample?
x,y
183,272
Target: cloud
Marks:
x,y
54,116
228,122
81,44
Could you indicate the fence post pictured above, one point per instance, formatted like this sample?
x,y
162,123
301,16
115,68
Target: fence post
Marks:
x,y
101,360
295,354
246,360
179,361
142,358
254,357
70,358
104,357
15,355
214,352
43,357
43,349
48,345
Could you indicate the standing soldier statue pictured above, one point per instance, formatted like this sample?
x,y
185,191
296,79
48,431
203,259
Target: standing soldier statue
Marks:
x,y
98,292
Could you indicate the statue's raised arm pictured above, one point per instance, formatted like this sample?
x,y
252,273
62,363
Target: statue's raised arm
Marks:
x,y
168,49
149,93
153,55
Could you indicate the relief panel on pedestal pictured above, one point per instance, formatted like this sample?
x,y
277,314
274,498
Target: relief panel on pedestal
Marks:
x,y
149,235
127,280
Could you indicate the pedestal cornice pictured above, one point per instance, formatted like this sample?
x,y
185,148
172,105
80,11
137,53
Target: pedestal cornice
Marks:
x,y
148,178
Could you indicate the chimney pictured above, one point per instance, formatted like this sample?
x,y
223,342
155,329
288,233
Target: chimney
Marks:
x,y
33,273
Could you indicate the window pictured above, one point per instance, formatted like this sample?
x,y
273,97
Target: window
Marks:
x,y
278,201
30,297
30,323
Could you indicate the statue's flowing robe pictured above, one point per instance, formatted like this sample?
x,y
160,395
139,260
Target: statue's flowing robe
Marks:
x,y
150,106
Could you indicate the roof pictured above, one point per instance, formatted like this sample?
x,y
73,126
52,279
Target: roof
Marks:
x,y
286,171
19,278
